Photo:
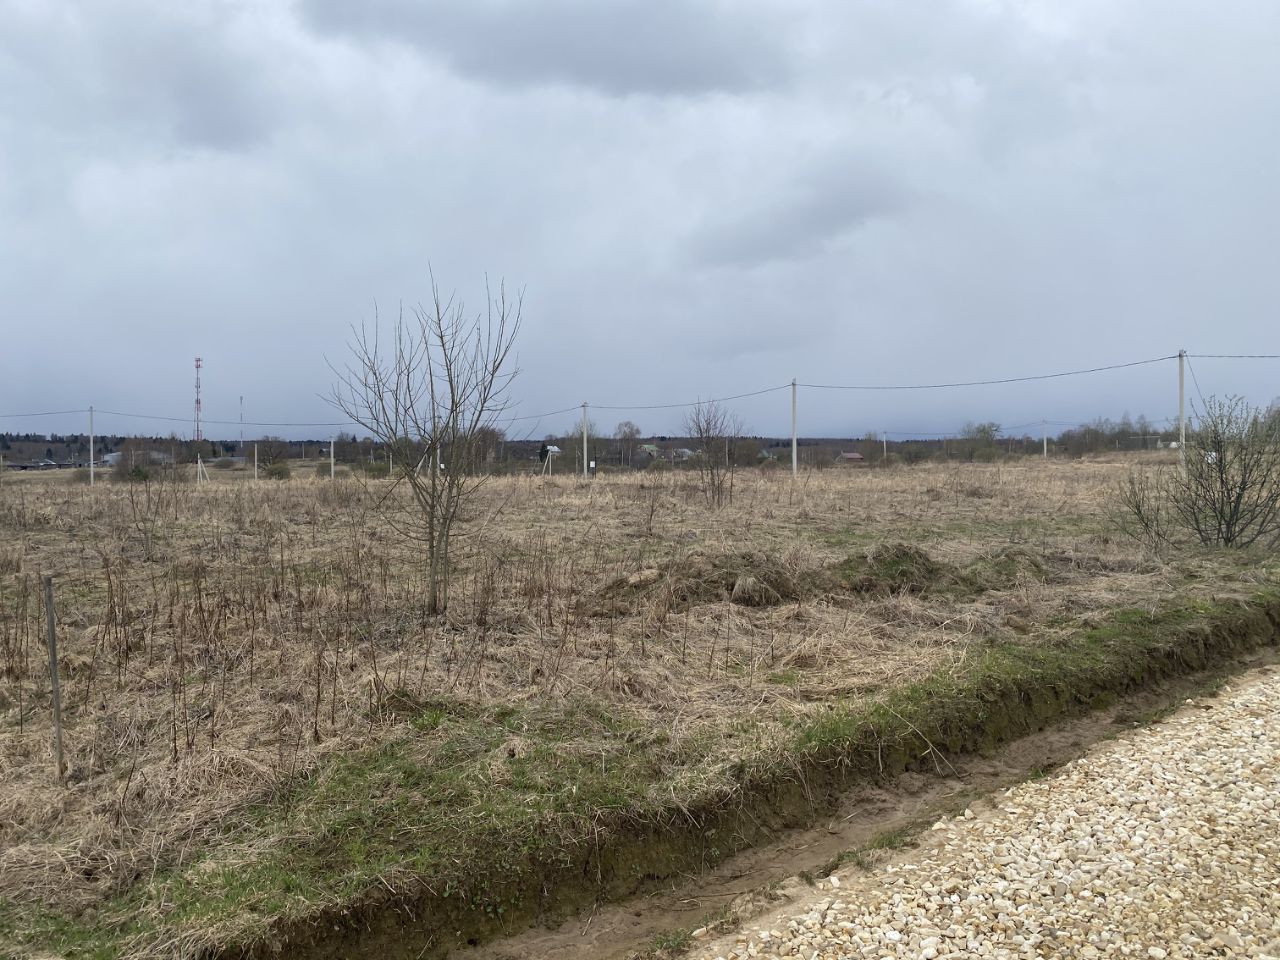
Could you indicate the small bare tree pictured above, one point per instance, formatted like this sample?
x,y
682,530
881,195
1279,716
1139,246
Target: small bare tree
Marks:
x,y
714,429
1228,493
433,397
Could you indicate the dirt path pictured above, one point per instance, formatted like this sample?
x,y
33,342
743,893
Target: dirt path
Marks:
x,y
1162,843
762,879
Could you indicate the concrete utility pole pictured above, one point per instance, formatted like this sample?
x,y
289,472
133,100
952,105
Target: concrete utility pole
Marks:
x,y
331,467
91,445
795,458
1182,417
884,443
1044,429
584,439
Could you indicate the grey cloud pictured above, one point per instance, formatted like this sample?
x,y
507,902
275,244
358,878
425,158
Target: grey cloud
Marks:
x,y
837,190
617,48
142,74
799,218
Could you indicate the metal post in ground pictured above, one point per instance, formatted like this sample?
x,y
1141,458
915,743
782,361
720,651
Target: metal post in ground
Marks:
x,y
53,672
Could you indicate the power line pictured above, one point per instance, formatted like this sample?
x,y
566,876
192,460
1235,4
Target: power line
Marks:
x,y
540,416
983,383
694,403
1235,356
48,413
247,423
1196,381
740,396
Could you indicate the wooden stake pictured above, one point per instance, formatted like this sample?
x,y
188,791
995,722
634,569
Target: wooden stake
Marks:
x,y
53,672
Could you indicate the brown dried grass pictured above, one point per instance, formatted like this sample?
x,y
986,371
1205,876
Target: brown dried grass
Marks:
x,y
276,623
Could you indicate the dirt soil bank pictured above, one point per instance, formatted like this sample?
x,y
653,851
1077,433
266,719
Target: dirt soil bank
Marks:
x,y
904,759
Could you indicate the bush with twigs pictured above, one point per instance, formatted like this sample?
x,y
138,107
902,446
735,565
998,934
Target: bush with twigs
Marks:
x,y
1226,493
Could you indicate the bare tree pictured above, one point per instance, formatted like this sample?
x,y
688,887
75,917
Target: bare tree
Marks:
x,y
714,429
627,433
1228,494
433,397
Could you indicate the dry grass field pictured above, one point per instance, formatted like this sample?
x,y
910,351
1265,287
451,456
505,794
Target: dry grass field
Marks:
x,y
260,721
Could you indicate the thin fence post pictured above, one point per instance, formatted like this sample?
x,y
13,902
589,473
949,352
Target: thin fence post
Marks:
x,y
53,672
91,445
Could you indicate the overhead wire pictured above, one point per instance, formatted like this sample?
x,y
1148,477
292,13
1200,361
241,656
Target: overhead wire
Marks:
x,y
691,403
725,399
983,383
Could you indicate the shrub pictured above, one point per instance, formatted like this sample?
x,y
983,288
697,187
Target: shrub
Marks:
x,y
1227,493
278,470
658,466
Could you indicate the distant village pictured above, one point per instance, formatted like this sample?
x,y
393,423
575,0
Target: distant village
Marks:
x,y
29,451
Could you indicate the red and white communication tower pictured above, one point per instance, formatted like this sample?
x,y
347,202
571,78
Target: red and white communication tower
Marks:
x,y
199,433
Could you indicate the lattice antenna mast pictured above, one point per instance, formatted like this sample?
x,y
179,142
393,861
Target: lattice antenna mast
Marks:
x,y
199,432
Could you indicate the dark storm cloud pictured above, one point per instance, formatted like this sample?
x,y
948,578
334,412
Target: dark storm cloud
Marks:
x,y
617,48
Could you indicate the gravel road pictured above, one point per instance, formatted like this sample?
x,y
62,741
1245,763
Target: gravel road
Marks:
x,y
1162,843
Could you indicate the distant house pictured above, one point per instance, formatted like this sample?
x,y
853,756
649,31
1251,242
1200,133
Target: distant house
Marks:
x,y
649,450
684,453
853,459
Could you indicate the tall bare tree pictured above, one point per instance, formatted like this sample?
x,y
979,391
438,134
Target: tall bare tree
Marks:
x,y
714,429
433,395
627,433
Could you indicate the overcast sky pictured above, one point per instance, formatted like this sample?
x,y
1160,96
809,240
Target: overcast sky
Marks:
x,y
697,198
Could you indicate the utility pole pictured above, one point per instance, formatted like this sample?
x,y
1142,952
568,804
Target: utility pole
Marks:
x,y
884,443
255,461
584,439
1182,417
331,464
795,459
1044,429
91,445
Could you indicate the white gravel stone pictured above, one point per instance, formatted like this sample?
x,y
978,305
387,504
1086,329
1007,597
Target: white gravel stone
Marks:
x,y
1162,844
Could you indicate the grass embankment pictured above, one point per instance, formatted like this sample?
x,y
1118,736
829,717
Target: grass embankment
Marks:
x,y
487,819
